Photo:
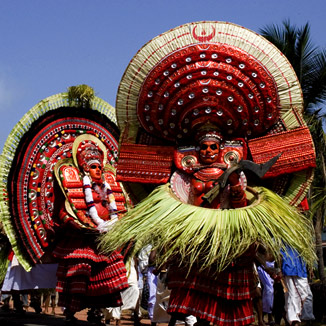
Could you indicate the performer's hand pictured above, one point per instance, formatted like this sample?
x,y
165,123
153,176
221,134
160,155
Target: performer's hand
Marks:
x,y
234,179
277,277
156,271
71,224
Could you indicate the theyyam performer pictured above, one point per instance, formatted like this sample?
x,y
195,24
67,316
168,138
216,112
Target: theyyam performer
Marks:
x,y
211,114
59,192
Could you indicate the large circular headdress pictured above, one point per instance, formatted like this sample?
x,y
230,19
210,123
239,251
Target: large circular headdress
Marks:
x,y
213,71
44,136
226,75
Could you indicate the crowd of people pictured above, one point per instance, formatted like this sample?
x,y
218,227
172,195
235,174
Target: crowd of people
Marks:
x,y
282,292
279,296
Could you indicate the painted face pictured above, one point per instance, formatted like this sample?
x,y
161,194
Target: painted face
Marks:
x,y
95,171
208,152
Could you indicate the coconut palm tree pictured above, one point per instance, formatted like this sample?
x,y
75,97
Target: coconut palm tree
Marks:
x,y
309,63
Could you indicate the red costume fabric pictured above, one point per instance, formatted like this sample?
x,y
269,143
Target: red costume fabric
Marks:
x,y
87,278
205,294
223,298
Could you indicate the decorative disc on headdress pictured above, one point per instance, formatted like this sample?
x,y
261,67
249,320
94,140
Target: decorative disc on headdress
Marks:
x,y
213,71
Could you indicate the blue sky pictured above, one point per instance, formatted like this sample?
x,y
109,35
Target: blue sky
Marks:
x,y
48,45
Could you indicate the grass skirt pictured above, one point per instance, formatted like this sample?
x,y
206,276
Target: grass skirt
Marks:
x,y
207,237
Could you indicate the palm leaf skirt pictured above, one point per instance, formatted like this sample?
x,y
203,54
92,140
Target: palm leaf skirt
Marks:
x,y
210,236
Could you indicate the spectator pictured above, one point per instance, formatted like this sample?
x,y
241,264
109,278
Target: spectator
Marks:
x,y
295,277
129,298
267,288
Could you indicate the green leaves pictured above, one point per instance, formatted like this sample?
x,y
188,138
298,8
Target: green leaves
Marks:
x,y
308,61
207,237
80,95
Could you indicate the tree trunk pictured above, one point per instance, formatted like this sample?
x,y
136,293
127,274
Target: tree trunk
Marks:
x,y
319,248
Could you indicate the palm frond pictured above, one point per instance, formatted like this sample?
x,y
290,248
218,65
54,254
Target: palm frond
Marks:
x,y
80,94
308,61
275,35
318,198
314,82
207,237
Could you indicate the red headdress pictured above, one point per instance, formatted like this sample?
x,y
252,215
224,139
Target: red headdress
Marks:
x,y
88,149
208,132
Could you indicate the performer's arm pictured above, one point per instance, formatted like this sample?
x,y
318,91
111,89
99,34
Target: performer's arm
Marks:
x,y
67,220
237,195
